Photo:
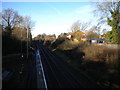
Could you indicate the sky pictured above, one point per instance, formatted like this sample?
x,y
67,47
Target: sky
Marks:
x,y
53,17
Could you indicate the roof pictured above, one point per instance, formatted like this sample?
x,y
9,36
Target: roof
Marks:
x,y
91,38
77,31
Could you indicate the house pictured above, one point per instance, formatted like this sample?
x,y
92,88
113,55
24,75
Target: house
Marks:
x,y
69,36
95,40
84,39
91,40
102,36
78,34
81,36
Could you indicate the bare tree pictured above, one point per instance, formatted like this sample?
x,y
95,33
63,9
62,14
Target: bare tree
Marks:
x,y
27,23
75,26
92,34
10,18
78,25
105,10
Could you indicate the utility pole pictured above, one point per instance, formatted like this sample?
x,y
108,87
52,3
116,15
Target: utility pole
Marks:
x,y
27,42
21,43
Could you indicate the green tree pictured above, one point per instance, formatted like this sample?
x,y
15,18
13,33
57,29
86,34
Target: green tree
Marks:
x,y
16,30
114,24
108,36
109,12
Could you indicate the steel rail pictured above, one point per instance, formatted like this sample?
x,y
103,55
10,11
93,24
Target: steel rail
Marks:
x,y
67,77
53,73
38,53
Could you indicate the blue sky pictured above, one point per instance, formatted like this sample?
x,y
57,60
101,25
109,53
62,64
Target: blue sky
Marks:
x,y
53,17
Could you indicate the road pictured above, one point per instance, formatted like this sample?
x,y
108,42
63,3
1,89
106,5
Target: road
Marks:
x,y
58,74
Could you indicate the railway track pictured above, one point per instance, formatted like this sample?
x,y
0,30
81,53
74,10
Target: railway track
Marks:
x,y
58,73
52,82
64,76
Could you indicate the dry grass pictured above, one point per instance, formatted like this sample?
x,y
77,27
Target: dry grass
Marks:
x,y
101,63
100,53
68,45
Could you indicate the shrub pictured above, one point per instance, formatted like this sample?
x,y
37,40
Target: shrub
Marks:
x,y
68,44
100,53
58,42
11,45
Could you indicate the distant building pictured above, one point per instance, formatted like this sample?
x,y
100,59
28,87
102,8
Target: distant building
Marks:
x,y
91,40
102,36
84,39
69,36
79,35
